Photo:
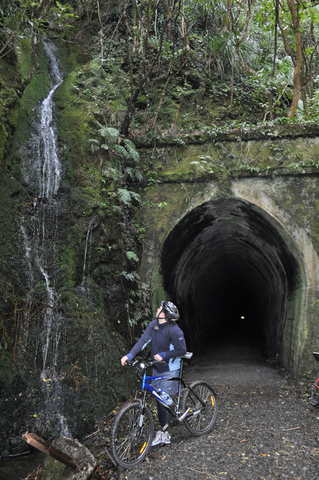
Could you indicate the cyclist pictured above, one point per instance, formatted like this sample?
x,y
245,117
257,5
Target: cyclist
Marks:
x,y
167,343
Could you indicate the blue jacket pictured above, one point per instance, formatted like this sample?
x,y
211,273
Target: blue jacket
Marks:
x,y
160,344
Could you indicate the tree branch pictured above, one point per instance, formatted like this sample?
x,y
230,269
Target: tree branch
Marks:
x,y
13,33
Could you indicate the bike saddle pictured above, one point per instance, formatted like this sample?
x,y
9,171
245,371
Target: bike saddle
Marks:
x,y
316,355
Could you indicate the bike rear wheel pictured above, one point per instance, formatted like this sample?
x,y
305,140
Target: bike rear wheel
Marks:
x,y
201,400
131,435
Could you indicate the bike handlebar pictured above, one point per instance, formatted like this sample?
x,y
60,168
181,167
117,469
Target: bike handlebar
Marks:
x,y
141,365
144,365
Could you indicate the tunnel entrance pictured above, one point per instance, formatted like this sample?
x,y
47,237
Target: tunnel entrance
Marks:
x,y
232,270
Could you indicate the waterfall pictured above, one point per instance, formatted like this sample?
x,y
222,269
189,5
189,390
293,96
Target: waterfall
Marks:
x,y
40,231
51,166
49,175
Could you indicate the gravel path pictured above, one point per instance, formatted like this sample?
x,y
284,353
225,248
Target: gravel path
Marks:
x,y
260,434
265,429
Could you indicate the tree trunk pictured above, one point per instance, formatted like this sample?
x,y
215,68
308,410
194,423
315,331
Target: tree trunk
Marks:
x,y
271,91
298,59
303,85
130,110
230,21
167,13
242,38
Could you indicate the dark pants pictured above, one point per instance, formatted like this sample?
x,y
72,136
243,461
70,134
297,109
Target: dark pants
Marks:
x,y
162,414
167,386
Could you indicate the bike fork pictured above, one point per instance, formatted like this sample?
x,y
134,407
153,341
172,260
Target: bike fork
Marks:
x,y
142,410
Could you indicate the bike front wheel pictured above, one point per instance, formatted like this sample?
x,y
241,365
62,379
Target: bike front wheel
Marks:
x,y
131,435
201,402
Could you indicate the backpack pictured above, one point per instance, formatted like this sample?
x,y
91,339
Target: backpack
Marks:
x,y
168,332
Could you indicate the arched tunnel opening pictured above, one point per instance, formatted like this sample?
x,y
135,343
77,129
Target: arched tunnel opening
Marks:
x,y
231,269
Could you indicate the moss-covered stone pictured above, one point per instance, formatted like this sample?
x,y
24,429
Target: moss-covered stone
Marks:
x,y
91,298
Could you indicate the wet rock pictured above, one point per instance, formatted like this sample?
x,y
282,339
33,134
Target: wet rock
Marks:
x,y
54,470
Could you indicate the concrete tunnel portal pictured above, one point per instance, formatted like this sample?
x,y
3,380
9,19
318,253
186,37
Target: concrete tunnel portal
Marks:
x,y
233,271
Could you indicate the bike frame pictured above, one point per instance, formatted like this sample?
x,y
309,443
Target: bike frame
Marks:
x,y
146,386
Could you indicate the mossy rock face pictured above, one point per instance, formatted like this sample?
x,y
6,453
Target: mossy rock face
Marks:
x,y
88,380
20,401
27,112
14,68
8,113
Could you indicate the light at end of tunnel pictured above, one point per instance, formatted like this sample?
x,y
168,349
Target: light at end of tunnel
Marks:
x,y
242,317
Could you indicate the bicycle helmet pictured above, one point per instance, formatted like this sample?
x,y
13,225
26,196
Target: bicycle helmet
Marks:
x,y
170,310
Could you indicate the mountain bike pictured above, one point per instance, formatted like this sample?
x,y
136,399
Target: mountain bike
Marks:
x,y
314,397
133,428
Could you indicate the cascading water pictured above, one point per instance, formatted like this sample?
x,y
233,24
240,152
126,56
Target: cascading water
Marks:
x,y
42,169
51,166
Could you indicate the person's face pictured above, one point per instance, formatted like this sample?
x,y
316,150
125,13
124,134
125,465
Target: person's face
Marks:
x,y
160,315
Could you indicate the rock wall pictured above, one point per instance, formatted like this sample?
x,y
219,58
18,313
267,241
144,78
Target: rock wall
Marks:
x,y
60,357
248,236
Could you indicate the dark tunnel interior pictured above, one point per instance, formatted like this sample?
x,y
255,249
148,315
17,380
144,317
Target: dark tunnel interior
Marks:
x,y
230,268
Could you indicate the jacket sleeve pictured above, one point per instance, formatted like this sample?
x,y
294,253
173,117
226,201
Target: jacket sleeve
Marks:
x,y
179,344
142,342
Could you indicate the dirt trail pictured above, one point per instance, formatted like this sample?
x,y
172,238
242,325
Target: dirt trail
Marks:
x,y
265,429
232,364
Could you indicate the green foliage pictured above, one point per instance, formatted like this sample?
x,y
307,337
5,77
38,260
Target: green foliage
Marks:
x,y
27,16
313,107
124,147
132,256
68,263
138,307
127,196
121,165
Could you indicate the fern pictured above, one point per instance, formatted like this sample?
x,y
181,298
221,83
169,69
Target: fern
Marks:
x,y
95,144
121,151
113,141
125,196
132,256
134,173
112,173
136,196
130,147
116,209
110,134
133,276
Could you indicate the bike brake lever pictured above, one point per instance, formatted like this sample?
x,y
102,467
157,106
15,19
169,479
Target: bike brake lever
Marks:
x,y
131,362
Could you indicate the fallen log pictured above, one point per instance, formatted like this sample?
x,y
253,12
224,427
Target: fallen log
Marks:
x,y
45,447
